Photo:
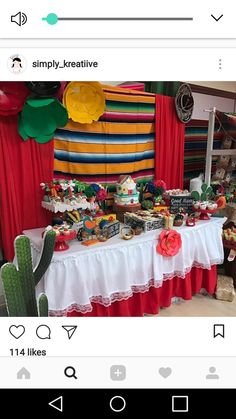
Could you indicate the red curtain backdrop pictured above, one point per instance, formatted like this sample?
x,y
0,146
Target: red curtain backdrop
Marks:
x,y
169,160
23,166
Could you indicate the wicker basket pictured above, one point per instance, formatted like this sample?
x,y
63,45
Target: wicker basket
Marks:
x,y
127,233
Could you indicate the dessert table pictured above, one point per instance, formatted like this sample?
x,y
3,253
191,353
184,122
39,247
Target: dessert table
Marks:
x,y
129,278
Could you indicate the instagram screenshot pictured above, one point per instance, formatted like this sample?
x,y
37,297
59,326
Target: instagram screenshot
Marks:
x,y
117,208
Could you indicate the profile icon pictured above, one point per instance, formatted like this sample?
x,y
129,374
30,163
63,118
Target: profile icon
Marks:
x,y
16,64
212,374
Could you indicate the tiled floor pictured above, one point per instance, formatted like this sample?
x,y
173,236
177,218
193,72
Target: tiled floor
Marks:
x,y
200,305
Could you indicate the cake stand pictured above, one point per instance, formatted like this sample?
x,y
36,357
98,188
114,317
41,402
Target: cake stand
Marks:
x,y
204,214
62,239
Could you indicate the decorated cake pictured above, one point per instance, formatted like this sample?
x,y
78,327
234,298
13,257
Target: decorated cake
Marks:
x,y
126,191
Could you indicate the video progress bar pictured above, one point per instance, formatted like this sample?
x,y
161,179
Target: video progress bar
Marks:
x,y
128,18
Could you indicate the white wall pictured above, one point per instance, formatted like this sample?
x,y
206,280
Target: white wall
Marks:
x,y
202,102
228,86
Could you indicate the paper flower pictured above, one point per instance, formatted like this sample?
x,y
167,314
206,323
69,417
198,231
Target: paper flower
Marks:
x,y
101,195
160,184
85,101
156,187
96,187
169,243
43,88
12,97
89,192
40,118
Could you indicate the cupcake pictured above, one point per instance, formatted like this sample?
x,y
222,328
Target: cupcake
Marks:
x,y
210,206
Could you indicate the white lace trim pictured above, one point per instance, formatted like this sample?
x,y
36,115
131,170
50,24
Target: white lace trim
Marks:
x,y
125,295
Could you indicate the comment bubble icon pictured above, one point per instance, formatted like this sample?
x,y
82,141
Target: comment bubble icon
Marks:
x,y
43,332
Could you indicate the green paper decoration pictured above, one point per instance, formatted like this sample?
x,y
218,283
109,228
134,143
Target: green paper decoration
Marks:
x,y
40,118
206,192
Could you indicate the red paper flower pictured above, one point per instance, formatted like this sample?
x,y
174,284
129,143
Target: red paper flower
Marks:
x,y
169,243
101,195
160,184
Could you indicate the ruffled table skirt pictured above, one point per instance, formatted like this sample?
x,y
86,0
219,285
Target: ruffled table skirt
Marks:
x,y
151,301
129,278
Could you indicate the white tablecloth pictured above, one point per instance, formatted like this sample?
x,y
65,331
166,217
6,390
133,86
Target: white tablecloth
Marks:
x,y
114,270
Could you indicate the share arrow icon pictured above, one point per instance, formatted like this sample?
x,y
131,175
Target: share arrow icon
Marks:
x,y
70,330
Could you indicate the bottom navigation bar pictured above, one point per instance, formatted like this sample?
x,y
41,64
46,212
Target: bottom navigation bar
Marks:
x,y
118,372
118,403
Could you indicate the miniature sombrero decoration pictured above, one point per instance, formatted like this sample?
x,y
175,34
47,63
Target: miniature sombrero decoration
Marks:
x,y
184,103
12,97
43,88
84,101
40,118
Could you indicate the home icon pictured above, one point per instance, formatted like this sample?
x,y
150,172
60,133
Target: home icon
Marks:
x,y
23,373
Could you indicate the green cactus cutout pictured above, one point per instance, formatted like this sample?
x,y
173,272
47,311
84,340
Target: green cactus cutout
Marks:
x,y
13,292
43,305
203,196
195,195
204,187
46,256
19,281
206,193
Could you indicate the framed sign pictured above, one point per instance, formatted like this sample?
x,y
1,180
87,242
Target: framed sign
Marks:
x,y
178,202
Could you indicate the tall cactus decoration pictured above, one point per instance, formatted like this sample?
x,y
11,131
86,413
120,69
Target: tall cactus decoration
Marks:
x,y
19,282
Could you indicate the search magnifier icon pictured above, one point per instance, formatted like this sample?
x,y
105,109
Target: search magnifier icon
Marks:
x,y
70,372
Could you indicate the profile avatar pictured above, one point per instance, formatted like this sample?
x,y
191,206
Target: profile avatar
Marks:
x,y
16,64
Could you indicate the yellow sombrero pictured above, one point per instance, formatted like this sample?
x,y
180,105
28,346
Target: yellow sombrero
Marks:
x,y
84,101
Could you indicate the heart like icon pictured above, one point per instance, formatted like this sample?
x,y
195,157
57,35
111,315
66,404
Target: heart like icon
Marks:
x,y
17,331
165,372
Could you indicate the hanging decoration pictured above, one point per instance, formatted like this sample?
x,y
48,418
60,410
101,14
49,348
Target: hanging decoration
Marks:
x,y
12,97
184,103
84,101
169,243
40,118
